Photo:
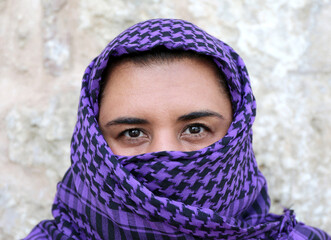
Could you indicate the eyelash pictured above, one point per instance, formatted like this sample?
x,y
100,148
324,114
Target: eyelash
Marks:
x,y
121,134
197,125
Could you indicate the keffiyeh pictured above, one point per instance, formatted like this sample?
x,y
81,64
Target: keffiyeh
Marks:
x,y
217,192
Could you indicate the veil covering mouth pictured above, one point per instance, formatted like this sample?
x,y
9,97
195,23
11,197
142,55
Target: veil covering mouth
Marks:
x,y
217,192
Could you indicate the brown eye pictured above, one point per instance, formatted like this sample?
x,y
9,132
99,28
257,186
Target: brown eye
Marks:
x,y
195,129
133,136
133,133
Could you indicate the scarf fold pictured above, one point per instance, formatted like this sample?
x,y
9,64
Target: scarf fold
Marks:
x,y
217,192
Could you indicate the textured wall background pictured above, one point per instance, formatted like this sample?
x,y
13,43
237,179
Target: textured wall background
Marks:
x,y
45,46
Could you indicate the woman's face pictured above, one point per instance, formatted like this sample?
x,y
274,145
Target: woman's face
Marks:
x,y
167,106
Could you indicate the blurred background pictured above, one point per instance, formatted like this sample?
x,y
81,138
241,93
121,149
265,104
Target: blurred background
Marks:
x,y
45,46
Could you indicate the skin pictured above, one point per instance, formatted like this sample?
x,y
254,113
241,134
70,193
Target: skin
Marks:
x,y
163,106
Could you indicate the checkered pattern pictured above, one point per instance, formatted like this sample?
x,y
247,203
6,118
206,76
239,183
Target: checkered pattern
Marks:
x,y
214,193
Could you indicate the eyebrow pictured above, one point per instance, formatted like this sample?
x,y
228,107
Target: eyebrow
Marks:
x,y
183,118
199,114
127,120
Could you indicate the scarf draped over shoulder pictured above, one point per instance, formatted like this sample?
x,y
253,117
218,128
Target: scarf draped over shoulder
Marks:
x,y
217,192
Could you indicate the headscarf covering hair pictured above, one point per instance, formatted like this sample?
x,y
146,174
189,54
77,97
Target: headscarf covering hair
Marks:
x,y
217,192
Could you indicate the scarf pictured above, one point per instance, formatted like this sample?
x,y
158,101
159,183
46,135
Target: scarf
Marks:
x,y
217,192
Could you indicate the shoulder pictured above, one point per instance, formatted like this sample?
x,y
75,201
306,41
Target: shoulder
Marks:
x,y
304,232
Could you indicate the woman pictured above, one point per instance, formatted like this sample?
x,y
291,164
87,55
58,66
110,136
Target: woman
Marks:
x,y
162,148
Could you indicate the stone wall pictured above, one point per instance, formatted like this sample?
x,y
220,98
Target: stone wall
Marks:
x,y
45,46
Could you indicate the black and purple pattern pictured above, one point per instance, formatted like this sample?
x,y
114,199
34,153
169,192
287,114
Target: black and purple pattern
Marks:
x,y
214,193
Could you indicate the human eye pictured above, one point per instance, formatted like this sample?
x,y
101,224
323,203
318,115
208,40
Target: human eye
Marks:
x,y
132,133
196,130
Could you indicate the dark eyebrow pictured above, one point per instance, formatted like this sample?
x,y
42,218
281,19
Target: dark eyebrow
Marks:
x,y
199,114
126,120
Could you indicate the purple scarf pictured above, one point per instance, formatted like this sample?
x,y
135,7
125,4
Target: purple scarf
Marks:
x,y
217,192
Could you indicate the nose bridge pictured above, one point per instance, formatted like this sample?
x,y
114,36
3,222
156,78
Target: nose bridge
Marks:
x,y
164,140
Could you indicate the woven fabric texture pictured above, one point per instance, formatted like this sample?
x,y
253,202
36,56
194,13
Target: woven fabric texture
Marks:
x,y
217,192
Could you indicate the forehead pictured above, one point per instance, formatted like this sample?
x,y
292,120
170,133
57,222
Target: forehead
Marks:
x,y
170,75
167,86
